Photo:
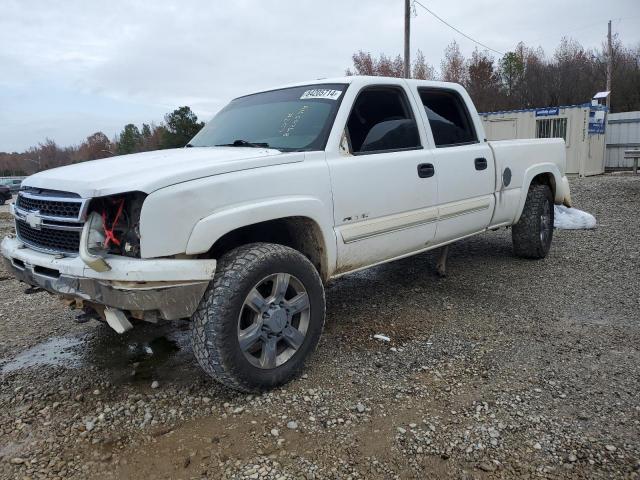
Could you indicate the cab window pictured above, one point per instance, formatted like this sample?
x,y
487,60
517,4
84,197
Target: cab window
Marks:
x,y
381,120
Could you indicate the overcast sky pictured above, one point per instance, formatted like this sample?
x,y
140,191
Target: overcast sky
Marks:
x,y
69,68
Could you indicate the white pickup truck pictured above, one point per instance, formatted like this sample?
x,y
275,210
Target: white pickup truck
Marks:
x,y
282,191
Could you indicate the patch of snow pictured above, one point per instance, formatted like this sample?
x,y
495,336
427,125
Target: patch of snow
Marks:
x,y
572,219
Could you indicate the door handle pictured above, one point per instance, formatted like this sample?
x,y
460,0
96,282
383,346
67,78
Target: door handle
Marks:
x,y
481,163
426,170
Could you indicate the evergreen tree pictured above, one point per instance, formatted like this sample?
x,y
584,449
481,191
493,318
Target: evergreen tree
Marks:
x,y
181,126
129,140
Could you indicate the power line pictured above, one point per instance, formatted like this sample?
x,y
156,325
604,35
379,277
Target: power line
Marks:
x,y
454,28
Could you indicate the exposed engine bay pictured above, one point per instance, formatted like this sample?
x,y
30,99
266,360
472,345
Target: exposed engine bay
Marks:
x,y
115,225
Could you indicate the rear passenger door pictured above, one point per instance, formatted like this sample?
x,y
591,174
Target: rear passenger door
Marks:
x,y
384,204
463,162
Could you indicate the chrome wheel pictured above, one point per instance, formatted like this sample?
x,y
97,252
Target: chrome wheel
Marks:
x,y
273,320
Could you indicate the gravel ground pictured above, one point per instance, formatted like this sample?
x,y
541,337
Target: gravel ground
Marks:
x,y
505,369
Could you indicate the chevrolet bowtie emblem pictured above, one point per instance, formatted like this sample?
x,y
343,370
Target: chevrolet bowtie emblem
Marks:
x,y
34,220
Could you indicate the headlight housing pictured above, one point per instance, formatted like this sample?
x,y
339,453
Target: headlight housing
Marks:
x,y
113,225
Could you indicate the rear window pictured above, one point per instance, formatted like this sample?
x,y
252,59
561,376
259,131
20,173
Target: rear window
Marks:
x,y
448,116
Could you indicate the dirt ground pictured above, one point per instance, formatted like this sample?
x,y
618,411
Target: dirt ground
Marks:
x,y
505,369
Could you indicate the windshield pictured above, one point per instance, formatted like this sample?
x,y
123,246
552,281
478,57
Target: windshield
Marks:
x,y
289,119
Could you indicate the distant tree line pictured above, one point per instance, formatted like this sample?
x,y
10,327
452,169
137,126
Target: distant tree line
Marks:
x,y
525,77
178,128
522,78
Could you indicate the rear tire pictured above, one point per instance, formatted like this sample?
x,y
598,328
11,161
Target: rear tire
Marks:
x,y
533,233
260,318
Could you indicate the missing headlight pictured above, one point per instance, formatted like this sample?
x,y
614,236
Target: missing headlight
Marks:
x,y
115,225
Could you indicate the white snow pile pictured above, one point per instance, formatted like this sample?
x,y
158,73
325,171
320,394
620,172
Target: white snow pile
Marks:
x,y
572,219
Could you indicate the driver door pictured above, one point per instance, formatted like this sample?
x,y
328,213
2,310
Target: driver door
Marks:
x,y
384,188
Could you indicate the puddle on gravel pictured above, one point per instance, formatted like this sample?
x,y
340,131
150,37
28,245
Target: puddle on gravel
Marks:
x,y
143,353
57,351
147,357
146,352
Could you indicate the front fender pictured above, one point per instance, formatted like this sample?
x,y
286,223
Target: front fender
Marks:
x,y
211,228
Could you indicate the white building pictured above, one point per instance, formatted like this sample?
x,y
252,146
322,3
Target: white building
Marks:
x,y
623,133
581,126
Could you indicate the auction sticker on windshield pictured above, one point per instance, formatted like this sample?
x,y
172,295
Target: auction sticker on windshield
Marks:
x,y
322,93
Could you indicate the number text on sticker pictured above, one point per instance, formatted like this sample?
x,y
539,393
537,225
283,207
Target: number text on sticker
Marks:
x,y
321,93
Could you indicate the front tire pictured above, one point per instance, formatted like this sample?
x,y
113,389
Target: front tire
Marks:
x,y
533,233
260,318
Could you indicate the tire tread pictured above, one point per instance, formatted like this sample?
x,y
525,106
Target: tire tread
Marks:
x,y
211,343
526,233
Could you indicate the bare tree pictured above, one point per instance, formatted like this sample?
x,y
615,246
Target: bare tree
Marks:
x,y
365,64
421,69
94,147
536,88
483,81
575,76
453,67
625,94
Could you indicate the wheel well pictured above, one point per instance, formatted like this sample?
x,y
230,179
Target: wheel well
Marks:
x,y
300,233
545,179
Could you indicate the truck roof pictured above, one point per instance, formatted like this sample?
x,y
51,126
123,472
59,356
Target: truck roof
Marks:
x,y
362,79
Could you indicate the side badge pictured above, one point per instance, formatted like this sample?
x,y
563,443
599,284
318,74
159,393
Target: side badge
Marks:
x,y
506,177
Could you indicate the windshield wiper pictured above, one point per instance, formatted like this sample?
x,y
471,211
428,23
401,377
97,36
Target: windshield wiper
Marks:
x,y
244,143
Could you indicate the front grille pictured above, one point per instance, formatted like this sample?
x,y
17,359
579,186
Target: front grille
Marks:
x,y
49,220
52,208
61,241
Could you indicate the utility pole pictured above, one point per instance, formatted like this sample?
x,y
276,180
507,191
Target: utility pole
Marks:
x,y
609,64
407,36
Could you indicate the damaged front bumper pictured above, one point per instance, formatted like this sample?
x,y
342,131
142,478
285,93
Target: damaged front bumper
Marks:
x,y
145,288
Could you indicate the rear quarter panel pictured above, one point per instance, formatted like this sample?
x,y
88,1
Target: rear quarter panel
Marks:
x,y
525,159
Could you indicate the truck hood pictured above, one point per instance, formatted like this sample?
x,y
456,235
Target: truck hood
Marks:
x,y
150,171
